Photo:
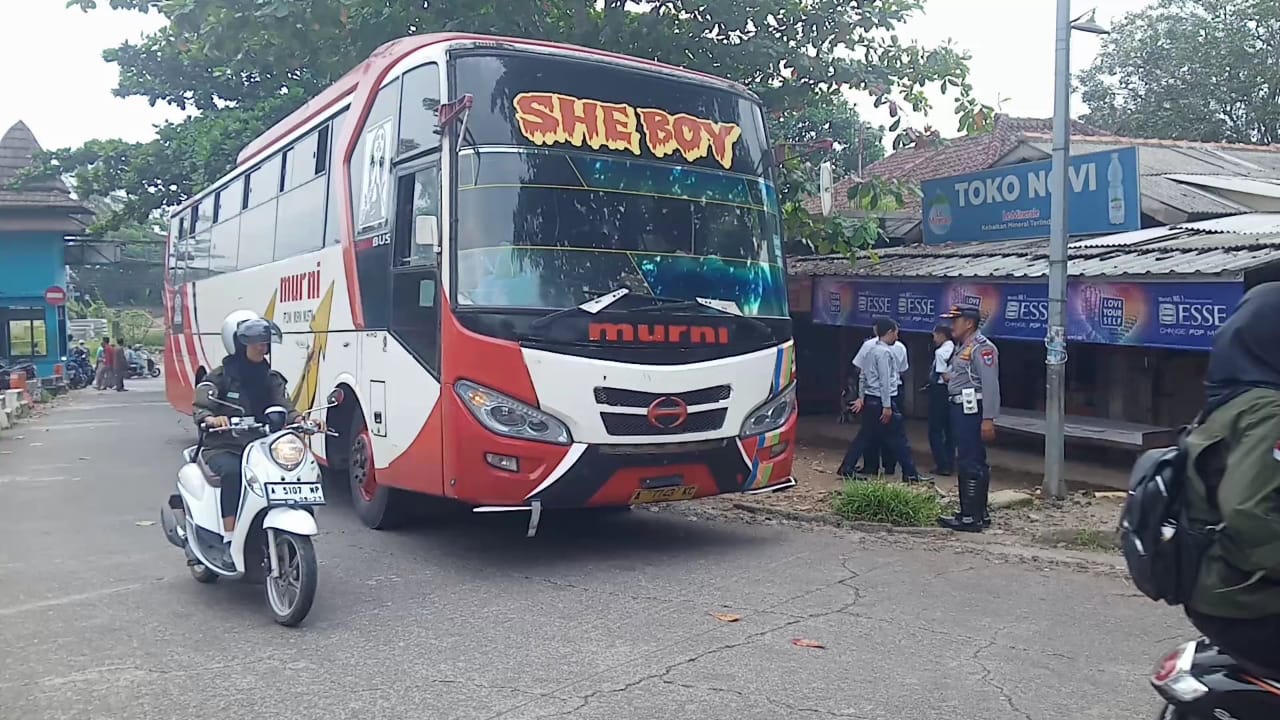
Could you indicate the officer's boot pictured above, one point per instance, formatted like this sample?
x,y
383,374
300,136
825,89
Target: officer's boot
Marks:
x,y
983,491
969,519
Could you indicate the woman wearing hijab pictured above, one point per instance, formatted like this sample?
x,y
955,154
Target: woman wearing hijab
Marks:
x,y
1234,485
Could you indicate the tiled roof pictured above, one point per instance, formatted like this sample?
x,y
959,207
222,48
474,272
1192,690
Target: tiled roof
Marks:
x,y
957,156
18,148
1175,250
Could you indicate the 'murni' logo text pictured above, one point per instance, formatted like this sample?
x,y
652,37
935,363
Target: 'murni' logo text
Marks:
x,y
303,286
651,333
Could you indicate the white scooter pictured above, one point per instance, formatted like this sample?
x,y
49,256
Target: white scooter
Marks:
x,y
275,524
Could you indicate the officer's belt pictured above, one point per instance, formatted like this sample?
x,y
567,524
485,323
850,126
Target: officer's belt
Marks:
x,y
959,399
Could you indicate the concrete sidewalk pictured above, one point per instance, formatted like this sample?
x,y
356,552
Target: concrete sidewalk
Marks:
x,y
1013,466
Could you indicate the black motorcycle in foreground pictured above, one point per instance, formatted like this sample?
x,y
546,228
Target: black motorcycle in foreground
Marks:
x,y
1200,682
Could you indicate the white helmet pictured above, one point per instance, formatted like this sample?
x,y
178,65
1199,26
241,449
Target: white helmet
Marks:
x,y
244,327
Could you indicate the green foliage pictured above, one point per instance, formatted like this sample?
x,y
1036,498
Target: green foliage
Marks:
x,y
244,64
892,503
1190,70
135,326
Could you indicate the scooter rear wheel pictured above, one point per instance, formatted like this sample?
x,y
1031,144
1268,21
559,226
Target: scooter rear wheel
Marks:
x,y
1172,713
290,596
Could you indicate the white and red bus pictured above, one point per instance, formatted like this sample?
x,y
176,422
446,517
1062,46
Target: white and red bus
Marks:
x,y
544,277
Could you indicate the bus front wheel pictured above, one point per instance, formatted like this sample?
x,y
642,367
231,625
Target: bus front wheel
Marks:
x,y
377,506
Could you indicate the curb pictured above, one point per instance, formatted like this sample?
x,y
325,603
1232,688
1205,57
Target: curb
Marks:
x,y
1106,543
833,520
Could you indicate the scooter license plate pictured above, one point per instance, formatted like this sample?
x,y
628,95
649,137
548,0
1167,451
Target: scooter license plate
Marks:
x,y
300,493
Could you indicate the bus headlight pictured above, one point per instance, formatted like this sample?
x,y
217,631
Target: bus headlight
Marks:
x,y
772,415
288,451
507,416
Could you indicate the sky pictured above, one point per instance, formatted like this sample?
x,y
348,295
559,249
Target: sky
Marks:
x,y
57,82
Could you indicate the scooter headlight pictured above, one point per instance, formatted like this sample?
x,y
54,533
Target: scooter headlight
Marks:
x,y
288,451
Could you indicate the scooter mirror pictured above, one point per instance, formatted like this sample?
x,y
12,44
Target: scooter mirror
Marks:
x,y
206,393
336,397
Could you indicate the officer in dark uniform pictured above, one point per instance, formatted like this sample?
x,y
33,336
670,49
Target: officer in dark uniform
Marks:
x,y
973,386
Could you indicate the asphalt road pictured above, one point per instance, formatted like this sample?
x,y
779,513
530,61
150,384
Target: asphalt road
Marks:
x,y
607,619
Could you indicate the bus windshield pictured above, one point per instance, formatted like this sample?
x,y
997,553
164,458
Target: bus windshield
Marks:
x,y
552,229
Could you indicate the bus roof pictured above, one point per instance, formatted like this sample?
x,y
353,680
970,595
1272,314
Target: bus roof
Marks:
x,y
394,51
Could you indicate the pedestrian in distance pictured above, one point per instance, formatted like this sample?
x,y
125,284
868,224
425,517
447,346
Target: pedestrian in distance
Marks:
x,y
973,391
879,381
120,364
941,440
102,373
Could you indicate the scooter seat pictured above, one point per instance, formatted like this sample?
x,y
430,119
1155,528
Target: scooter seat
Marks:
x,y
209,475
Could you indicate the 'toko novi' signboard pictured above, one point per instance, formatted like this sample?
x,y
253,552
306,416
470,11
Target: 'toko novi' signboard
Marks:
x,y
1013,202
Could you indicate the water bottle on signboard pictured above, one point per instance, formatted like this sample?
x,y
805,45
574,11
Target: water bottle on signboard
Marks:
x,y
1115,191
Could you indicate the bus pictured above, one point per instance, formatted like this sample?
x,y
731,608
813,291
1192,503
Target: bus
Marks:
x,y
543,276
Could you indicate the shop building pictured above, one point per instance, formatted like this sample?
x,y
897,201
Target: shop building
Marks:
x,y
1165,239
34,223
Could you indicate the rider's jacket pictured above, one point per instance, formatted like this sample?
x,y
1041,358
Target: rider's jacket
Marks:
x,y
232,390
1237,449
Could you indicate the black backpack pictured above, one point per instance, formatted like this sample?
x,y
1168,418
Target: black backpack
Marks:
x,y
1162,547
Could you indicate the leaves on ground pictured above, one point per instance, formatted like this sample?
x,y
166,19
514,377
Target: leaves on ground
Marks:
x,y
801,642
726,617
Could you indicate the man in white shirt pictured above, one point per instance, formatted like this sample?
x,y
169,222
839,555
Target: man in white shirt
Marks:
x,y
941,441
879,456
882,422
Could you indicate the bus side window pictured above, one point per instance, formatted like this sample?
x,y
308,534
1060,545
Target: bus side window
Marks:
x,y
417,224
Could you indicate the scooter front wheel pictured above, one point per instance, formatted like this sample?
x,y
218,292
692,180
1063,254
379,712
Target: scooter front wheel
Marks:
x,y
203,575
290,595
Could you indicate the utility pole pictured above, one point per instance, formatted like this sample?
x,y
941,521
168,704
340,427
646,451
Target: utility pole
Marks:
x,y
1056,336
1055,341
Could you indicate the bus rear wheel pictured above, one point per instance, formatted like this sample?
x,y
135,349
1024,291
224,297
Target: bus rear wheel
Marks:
x,y
377,506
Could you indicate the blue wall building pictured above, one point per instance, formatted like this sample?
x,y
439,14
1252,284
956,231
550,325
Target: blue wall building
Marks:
x,y
34,223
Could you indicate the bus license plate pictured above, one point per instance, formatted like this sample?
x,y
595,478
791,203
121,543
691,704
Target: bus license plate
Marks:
x,y
295,494
666,494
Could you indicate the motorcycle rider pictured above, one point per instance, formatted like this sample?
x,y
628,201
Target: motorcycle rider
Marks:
x,y
245,379
1233,474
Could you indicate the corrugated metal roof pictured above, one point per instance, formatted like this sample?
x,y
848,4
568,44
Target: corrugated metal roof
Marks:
x,y
1165,251
1247,224
1126,239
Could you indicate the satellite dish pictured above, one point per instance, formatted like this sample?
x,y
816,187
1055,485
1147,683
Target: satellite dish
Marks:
x,y
825,183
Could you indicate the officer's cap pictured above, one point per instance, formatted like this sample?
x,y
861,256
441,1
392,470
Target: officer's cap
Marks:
x,y
963,311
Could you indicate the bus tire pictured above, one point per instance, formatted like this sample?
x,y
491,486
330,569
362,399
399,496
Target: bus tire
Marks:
x,y
377,506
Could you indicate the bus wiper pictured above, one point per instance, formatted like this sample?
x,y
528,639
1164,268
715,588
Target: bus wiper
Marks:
x,y
727,307
591,306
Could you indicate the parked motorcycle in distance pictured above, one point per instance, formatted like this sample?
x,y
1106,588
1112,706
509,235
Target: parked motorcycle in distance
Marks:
x,y
1199,682
79,372
7,370
271,542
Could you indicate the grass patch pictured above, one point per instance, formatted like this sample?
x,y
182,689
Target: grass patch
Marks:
x,y
1095,540
890,503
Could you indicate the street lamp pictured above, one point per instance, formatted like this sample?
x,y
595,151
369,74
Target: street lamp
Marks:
x,y
1056,337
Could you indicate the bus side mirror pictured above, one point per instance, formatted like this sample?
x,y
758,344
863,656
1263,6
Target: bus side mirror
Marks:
x,y
336,397
426,231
